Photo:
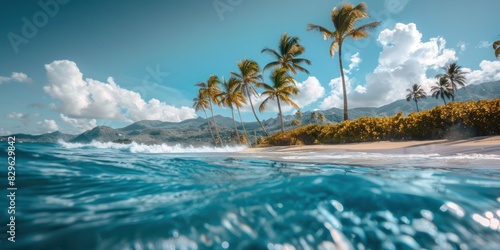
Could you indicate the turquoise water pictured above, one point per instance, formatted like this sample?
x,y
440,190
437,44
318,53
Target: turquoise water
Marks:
x,y
107,196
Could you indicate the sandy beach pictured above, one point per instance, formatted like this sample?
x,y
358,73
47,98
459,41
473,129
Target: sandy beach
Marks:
x,y
479,152
477,145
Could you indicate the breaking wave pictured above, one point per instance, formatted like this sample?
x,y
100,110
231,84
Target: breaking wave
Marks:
x,y
153,149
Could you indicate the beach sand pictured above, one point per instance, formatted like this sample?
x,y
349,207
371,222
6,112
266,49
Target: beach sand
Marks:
x,y
479,151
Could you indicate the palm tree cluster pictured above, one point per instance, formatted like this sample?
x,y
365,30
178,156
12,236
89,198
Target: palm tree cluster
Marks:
x,y
496,48
241,88
445,87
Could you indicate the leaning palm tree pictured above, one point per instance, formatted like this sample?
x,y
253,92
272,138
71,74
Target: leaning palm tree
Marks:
x,y
416,92
344,20
496,47
286,56
229,97
211,90
201,103
283,88
442,89
249,78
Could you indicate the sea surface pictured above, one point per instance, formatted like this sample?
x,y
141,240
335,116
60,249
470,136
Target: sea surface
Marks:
x,y
113,196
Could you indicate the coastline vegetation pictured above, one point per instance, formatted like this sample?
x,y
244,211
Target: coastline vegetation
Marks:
x,y
467,119
454,120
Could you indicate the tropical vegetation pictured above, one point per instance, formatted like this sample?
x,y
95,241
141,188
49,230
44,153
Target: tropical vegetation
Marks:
x,y
242,90
416,92
455,120
282,89
443,89
344,21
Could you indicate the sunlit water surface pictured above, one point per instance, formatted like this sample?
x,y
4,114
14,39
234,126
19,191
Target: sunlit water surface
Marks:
x,y
110,196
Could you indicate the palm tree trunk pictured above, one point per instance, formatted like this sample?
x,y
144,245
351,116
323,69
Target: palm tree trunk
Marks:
x,y
243,125
346,116
281,115
416,104
215,125
444,100
210,127
235,127
251,105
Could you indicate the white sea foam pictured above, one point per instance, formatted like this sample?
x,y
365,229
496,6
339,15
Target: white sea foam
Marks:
x,y
153,149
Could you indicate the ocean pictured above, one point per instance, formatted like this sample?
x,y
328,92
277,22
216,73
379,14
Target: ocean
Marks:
x,y
114,196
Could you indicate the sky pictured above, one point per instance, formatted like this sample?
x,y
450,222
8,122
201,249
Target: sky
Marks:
x,y
70,65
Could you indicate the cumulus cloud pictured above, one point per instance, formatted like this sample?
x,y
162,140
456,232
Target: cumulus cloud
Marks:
x,y
91,99
79,125
404,60
489,72
15,77
47,126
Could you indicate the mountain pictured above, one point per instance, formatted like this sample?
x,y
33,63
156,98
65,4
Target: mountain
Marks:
x,y
195,131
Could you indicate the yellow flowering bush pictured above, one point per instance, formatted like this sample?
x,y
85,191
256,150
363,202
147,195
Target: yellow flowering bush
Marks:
x,y
467,119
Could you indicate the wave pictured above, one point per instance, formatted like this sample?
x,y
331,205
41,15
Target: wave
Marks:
x,y
153,149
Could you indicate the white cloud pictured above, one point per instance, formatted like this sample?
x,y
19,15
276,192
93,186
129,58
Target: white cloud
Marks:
x,y
489,72
20,116
335,99
404,60
310,91
462,46
355,61
79,125
15,77
47,126
483,44
92,99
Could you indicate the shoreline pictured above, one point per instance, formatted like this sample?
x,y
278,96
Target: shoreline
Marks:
x,y
475,145
473,153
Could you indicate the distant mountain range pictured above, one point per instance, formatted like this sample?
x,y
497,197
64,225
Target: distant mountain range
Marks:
x,y
195,131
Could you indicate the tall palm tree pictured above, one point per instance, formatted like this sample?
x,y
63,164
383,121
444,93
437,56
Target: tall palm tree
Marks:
x,y
344,20
249,78
211,90
201,103
231,96
442,89
496,47
286,56
416,92
283,88
313,117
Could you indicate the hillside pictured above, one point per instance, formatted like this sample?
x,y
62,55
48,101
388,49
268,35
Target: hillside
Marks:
x,y
195,131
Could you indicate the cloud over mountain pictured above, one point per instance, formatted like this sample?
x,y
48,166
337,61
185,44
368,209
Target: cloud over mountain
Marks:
x,y
88,99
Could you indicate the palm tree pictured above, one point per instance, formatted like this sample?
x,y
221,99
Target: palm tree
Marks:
x,y
288,49
496,47
344,20
416,92
454,74
249,78
443,89
283,87
201,103
231,97
210,90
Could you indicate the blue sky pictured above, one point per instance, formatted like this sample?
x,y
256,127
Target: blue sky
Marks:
x,y
69,65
